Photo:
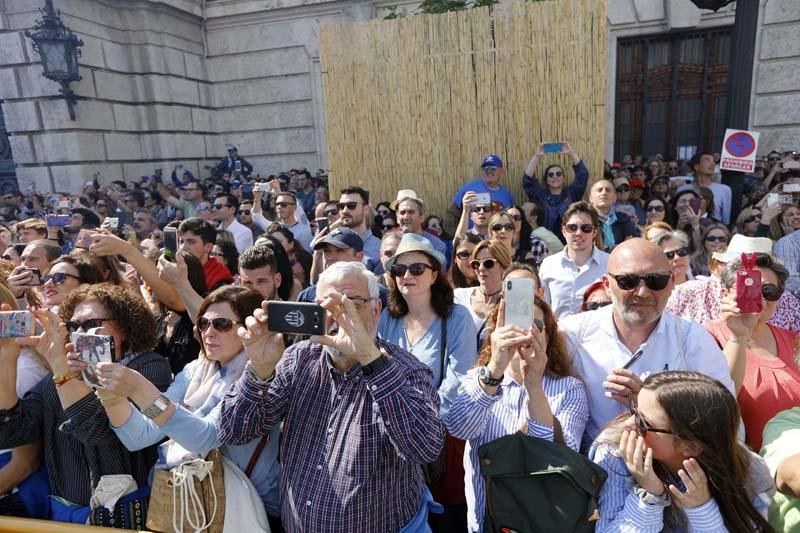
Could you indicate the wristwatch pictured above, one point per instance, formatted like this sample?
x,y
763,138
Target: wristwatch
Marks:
x,y
486,377
377,364
157,407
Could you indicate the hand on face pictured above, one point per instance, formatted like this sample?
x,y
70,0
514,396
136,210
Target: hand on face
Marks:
x,y
696,482
638,457
352,340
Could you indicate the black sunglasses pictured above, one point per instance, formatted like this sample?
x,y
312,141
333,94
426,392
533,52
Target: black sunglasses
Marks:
x,y
657,208
488,264
218,206
771,292
246,212
416,269
654,282
463,254
283,204
594,306
516,218
482,208
752,218
585,228
711,238
73,326
555,174
348,205
680,252
58,278
222,325
624,188
331,212
498,227
389,227
539,325
641,426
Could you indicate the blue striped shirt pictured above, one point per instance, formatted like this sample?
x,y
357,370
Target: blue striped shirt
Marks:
x,y
621,508
479,418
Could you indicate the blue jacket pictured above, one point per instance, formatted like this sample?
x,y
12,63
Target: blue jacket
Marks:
x,y
555,205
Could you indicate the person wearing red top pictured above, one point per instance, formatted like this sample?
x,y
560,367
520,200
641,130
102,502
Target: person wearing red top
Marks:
x,y
197,237
760,355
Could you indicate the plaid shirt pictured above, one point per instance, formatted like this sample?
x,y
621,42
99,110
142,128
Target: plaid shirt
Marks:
x,y
351,446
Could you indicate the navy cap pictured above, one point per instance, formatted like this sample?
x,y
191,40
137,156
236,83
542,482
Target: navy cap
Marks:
x,y
493,160
343,238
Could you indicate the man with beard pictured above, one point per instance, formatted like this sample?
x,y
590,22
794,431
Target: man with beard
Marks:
x,y
353,208
635,336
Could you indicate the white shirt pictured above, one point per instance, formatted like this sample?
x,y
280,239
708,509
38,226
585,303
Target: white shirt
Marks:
x,y
600,350
242,235
564,282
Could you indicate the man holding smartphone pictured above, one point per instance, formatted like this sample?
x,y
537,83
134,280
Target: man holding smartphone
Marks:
x,y
492,173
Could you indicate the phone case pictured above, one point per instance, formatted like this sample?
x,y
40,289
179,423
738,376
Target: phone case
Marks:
x,y
84,239
518,297
297,318
748,291
58,221
483,198
93,349
553,148
15,324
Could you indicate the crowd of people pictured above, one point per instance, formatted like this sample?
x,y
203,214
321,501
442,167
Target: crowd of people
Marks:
x,y
635,356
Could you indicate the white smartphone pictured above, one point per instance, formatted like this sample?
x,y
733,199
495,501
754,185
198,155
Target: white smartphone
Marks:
x,y
483,198
791,187
773,199
518,295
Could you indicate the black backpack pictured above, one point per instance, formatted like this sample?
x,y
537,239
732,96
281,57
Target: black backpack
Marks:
x,y
538,486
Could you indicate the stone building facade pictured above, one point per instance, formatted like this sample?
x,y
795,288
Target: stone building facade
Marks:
x,y
173,81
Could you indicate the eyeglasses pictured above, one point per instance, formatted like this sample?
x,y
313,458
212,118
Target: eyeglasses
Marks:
x,y
389,227
349,205
641,426
202,207
771,292
585,228
516,218
219,206
488,264
655,208
489,168
58,278
7,258
416,269
91,323
752,218
721,238
464,254
283,204
222,325
680,252
331,213
594,306
245,212
482,208
624,188
498,227
654,282
539,324
359,302
556,174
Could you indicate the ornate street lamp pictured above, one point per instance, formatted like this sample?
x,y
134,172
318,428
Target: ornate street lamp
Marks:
x,y
59,49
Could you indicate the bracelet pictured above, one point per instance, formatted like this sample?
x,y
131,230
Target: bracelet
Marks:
x,y
63,378
738,340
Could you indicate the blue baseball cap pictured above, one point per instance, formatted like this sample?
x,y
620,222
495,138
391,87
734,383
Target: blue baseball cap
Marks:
x,y
493,160
342,238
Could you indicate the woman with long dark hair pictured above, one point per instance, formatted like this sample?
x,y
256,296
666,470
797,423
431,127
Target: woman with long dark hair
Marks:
x,y
461,273
674,462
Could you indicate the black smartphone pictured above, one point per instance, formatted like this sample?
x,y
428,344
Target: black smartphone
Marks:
x,y
36,277
170,243
125,218
297,318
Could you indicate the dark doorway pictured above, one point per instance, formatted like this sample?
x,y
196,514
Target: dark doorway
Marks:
x,y
8,176
671,92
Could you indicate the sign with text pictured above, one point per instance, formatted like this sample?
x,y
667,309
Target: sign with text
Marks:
x,y
739,150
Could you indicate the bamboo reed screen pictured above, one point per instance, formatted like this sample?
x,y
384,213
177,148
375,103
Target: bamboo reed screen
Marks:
x,y
417,102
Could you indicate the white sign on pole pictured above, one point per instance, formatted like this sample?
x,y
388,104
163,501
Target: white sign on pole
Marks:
x,y
739,150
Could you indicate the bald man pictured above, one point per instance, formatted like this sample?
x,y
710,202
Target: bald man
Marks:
x,y
617,346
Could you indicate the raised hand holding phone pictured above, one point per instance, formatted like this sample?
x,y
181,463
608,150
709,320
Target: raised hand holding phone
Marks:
x,y
748,286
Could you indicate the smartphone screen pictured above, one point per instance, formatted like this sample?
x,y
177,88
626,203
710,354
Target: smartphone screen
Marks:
x,y
170,243
695,205
553,148
518,295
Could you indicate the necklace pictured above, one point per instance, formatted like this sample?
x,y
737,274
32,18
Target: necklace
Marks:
x,y
489,297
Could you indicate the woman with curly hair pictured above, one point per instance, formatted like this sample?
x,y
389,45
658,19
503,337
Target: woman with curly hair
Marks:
x,y
64,412
523,382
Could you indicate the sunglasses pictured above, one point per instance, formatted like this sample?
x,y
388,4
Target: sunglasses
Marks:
x,y
654,282
463,254
680,252
389,227
482,209
245,212
752,218
283,204
773,159
641,426
416,269
488,264
655,208
539,325
58,278
516,218
92,323
202,208
7,258
624,188
489,168
711,238
331,212
348,205
771,292
555,174
594,306
585,228
507,227
222,325
218,206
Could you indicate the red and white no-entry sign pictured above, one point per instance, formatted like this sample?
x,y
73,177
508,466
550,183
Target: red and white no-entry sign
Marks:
x,y
739,150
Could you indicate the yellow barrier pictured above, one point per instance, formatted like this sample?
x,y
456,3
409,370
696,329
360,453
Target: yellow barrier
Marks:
x,y
25,525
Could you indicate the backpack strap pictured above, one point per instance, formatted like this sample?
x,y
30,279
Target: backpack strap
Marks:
x,y
442,351
256,454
